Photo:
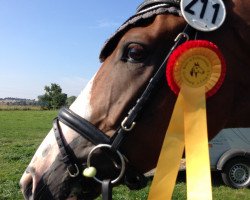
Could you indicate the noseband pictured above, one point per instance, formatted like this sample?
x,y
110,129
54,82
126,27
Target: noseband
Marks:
x,y
98,138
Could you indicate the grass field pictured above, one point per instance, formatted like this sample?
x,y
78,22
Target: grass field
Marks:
x,y
22,131
20,134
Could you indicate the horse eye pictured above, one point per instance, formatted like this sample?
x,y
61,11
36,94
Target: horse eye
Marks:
x,y
135,53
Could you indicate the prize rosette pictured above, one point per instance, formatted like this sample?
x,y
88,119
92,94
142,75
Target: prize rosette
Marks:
x,y
195,70
197,63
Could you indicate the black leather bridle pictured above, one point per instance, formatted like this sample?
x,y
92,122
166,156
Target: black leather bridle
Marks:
x,y
97,137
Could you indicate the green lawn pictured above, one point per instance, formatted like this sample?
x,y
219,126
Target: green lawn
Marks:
x,y
20,134
22,131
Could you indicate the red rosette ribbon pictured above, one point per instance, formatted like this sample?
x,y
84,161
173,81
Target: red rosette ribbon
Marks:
x,y
196,63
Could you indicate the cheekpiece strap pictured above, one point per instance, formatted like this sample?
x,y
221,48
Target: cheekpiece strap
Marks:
x,y
106,190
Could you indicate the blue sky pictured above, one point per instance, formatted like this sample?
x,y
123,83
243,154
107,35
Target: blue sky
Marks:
x,y
54,41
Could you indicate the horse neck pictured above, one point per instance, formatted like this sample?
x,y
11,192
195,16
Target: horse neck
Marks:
x,y
236,48
239,19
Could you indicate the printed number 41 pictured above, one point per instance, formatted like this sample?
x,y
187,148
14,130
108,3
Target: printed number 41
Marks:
x,y
216,8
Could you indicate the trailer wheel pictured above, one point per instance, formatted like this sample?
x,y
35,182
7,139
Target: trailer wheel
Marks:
x,y
236,173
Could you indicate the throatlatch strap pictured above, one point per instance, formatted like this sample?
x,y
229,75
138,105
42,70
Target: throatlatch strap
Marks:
x,y
106,190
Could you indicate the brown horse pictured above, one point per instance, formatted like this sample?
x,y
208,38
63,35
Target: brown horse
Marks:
x,y
130,58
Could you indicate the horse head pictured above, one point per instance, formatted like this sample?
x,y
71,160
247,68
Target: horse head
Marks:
x,y
196,69
130,59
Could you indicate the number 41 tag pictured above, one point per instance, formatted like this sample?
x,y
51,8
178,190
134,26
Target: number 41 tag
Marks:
x,y
204,15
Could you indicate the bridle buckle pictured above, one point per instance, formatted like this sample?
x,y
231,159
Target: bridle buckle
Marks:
x,y
125,128
76,173
182,35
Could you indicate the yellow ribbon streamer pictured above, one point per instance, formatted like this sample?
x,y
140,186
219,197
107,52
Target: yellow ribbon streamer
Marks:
x,y
189,119
196,144
169,161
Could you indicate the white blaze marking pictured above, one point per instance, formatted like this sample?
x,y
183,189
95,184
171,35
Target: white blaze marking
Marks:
x,y
81,106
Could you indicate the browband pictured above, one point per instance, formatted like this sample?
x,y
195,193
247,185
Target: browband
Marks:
x,y
146,10
150,3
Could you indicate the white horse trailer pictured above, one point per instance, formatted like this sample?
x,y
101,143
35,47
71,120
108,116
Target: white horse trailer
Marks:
x,y
230,154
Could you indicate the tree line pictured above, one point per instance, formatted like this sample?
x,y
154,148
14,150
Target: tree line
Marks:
x,y
54,98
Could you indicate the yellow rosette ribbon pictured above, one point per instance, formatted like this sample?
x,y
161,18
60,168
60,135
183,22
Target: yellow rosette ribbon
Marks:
x,y
195,70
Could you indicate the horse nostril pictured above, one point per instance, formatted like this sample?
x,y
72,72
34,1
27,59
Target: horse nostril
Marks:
x,y
28,191
26,185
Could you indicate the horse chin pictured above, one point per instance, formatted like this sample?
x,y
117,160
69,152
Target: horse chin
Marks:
x,y
57,184
70,189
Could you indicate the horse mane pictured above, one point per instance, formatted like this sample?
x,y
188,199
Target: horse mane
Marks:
x,y
144,14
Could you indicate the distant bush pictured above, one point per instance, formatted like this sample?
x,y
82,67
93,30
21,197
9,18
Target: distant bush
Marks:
x,y
53,97
70,100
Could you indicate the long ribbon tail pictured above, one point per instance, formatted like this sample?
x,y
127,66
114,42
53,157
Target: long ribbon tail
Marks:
x,y
171,153
196,144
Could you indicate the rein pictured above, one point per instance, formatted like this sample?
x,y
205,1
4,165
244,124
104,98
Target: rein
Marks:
x,y
128,173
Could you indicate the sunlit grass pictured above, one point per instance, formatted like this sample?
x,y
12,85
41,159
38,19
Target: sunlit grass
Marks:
x,y
20,134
